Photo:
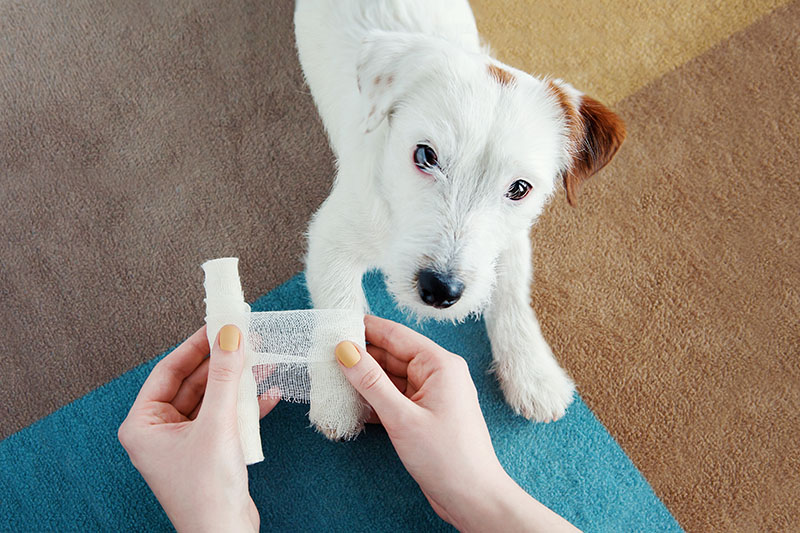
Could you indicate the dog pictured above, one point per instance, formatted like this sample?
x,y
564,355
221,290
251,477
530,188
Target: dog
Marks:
x,y
445,158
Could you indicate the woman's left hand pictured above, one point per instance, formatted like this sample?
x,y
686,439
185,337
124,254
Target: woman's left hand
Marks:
x,y
182,435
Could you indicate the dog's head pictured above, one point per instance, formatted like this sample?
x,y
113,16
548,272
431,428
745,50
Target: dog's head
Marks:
x,y
470,152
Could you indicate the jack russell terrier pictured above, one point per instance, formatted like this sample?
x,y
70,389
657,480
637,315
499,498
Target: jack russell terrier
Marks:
x,y
445,158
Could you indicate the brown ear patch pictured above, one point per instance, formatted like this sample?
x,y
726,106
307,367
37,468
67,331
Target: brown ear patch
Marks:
x,y
603,134
501,76
595,132
570,113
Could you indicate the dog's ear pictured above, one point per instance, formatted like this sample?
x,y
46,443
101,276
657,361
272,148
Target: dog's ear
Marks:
x,y
595,135
388,65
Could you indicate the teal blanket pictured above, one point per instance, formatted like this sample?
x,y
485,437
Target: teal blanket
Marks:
x,y
68,472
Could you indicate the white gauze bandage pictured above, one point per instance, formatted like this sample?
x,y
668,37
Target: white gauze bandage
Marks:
x,y
287,353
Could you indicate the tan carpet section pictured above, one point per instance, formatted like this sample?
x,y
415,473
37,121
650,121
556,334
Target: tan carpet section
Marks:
x,y
136,141
610,48
672,293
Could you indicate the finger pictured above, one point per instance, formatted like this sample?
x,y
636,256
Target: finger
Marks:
x,y
398,382
410,391
388,362
268,401
164,413
195,411
164,381
426,365
402,342
224,374
372,418
369,379
192,389
394,368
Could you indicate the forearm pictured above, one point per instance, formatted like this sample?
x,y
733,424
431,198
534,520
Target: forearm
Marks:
x,y
211,512
239,523
502,505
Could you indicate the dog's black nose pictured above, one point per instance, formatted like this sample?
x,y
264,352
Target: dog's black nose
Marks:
x,y
438,289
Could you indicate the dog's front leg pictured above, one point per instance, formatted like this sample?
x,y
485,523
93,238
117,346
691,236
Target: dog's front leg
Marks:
x,y
335,261
534,384
334,268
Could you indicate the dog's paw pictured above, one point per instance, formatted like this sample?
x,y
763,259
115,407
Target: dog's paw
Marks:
x,y
338,416
535,387
340,433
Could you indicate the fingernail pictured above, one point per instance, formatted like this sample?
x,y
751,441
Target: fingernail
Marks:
x,y
229,338
347,354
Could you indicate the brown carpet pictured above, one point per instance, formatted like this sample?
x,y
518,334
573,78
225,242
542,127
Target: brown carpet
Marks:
x,y
138,141
672,292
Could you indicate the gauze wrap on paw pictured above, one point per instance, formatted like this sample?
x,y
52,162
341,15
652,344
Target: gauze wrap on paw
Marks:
x,y
287,353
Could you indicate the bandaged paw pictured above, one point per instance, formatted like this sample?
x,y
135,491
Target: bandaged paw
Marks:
x,y
288,354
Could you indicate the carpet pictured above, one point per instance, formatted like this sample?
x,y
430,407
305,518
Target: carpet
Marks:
x,y
67,472
139,139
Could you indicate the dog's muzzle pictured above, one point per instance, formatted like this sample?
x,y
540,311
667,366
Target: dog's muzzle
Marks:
x,y
438,289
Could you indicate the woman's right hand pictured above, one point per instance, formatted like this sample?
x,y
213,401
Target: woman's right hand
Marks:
x,y
426,400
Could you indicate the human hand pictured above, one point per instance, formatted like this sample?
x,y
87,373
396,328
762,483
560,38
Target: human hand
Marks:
x,y
182,435
426,400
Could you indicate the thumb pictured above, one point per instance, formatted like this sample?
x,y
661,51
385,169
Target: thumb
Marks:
x,y
224,374
369,379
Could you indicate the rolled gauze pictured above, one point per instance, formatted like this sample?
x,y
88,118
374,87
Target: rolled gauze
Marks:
x,y
225,305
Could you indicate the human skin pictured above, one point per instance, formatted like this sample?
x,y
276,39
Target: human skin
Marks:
x,y
181,432
426,400
182,436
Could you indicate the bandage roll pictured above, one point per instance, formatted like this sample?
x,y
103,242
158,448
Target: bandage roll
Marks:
x,y
225,305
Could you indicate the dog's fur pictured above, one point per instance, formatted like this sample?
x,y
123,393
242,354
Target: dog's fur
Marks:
x,y
387,75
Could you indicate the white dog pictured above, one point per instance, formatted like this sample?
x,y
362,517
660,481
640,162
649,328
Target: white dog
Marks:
x,y
445,159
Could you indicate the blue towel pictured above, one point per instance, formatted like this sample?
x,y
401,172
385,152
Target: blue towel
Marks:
x,y
68,472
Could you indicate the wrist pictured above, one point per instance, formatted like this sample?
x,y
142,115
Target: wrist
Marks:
x,y
238,524
488,502
502,505
216,518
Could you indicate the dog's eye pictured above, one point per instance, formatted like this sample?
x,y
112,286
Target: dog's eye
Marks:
x,y
425,158
518,190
